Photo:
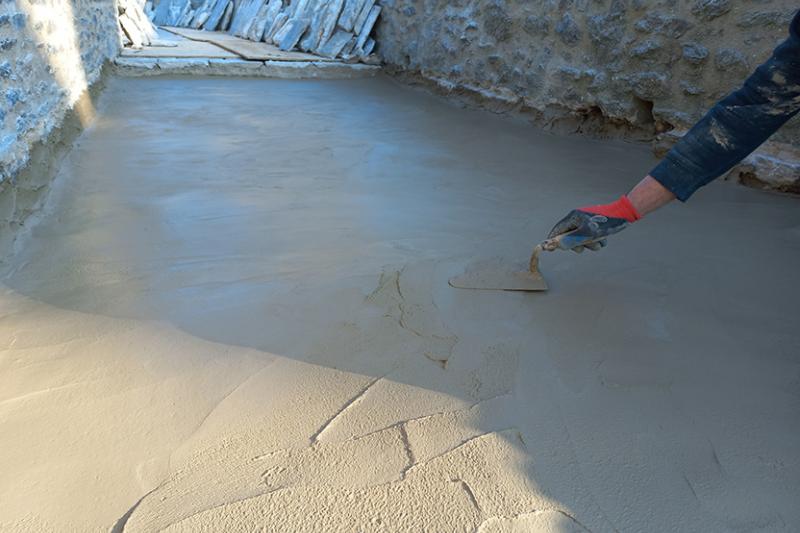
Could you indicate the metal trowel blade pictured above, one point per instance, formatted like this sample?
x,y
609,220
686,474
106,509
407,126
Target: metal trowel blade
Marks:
x,y
499,275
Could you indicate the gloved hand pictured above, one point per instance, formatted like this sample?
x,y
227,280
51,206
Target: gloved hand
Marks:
x,y
588,227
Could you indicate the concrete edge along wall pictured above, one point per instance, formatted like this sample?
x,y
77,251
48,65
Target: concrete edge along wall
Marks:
x,y
51,53
646,69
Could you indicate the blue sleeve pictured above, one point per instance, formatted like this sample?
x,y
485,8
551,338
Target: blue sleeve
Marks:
x,y
737,124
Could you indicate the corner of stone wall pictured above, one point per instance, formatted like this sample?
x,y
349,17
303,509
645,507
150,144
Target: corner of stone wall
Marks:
x,y
23,194
53,59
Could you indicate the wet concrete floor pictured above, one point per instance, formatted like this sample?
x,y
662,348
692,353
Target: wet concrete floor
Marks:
x,y
234,315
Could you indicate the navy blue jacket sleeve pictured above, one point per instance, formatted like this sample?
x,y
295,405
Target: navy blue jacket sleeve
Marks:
x,y
737,124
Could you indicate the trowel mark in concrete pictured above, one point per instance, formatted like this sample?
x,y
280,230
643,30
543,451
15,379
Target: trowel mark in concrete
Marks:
x,y
471,495
495,376
351,403
533,522
415,312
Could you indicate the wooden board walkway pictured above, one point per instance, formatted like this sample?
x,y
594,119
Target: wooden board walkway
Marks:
x,y
250,50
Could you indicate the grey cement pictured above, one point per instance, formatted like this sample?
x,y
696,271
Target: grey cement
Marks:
x,y
235,314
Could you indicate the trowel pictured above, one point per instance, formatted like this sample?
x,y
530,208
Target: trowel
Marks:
x,y
498,275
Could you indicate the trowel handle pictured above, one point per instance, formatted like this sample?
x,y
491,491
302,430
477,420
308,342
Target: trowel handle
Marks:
x,y
549,245
553,244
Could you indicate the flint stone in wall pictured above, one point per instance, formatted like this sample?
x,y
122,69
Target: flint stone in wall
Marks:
x,y
710,9
650,85
695,53
537,26
497,22
606,30
730,59
661,24
649,49
567,30
756,19
690,89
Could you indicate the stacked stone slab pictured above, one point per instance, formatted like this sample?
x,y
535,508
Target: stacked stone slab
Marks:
x,y
134,26
210,15
330,28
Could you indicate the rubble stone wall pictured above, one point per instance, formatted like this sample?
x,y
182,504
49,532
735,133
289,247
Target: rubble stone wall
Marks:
x,y
51,51
648,65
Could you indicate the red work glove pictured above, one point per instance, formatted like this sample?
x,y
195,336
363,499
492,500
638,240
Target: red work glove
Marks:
x,y
588,227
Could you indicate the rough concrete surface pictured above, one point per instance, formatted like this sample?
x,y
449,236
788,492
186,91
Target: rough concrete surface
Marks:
x,y
234,316
600,66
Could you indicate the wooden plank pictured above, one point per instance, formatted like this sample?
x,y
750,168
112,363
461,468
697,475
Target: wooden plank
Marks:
x,y
253,51
185,49
265,52
201,35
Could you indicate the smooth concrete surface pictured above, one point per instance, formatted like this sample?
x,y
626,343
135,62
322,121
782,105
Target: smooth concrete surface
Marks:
x,y
234,315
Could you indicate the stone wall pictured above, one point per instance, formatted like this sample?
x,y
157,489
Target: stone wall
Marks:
x,y
651,67
51,51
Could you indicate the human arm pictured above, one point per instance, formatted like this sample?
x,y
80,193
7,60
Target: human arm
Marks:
x,y
730,131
